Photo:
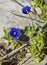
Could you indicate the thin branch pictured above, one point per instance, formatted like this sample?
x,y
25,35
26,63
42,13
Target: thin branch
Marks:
x,y
13,52
6,60
35,13
26,60
22,5
20,15
26,17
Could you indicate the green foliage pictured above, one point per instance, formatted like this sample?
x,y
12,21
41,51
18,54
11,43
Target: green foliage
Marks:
x,y
37,46
43,6
40,3
7,35
30,31
9,38
45,37
14,44
38,40
37,43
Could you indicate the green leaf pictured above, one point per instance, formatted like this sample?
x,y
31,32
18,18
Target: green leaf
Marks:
x,y
9,38
30,31
6,31
14,44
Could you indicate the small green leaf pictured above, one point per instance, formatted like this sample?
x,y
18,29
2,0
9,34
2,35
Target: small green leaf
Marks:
x,y
14,44
6,31
9,38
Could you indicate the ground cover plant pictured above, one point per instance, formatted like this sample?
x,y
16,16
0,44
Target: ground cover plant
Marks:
x,y
33,37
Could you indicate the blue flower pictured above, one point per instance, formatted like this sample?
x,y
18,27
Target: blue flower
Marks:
x,y
15,33
26,9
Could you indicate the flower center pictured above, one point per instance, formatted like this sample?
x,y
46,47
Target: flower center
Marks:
x,y
14,33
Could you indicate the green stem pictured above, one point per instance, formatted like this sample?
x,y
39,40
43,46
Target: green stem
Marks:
x,y
26,17
22,5
19,3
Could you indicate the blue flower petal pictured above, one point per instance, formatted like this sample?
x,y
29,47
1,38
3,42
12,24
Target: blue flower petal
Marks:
x,y
25,9
18,33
